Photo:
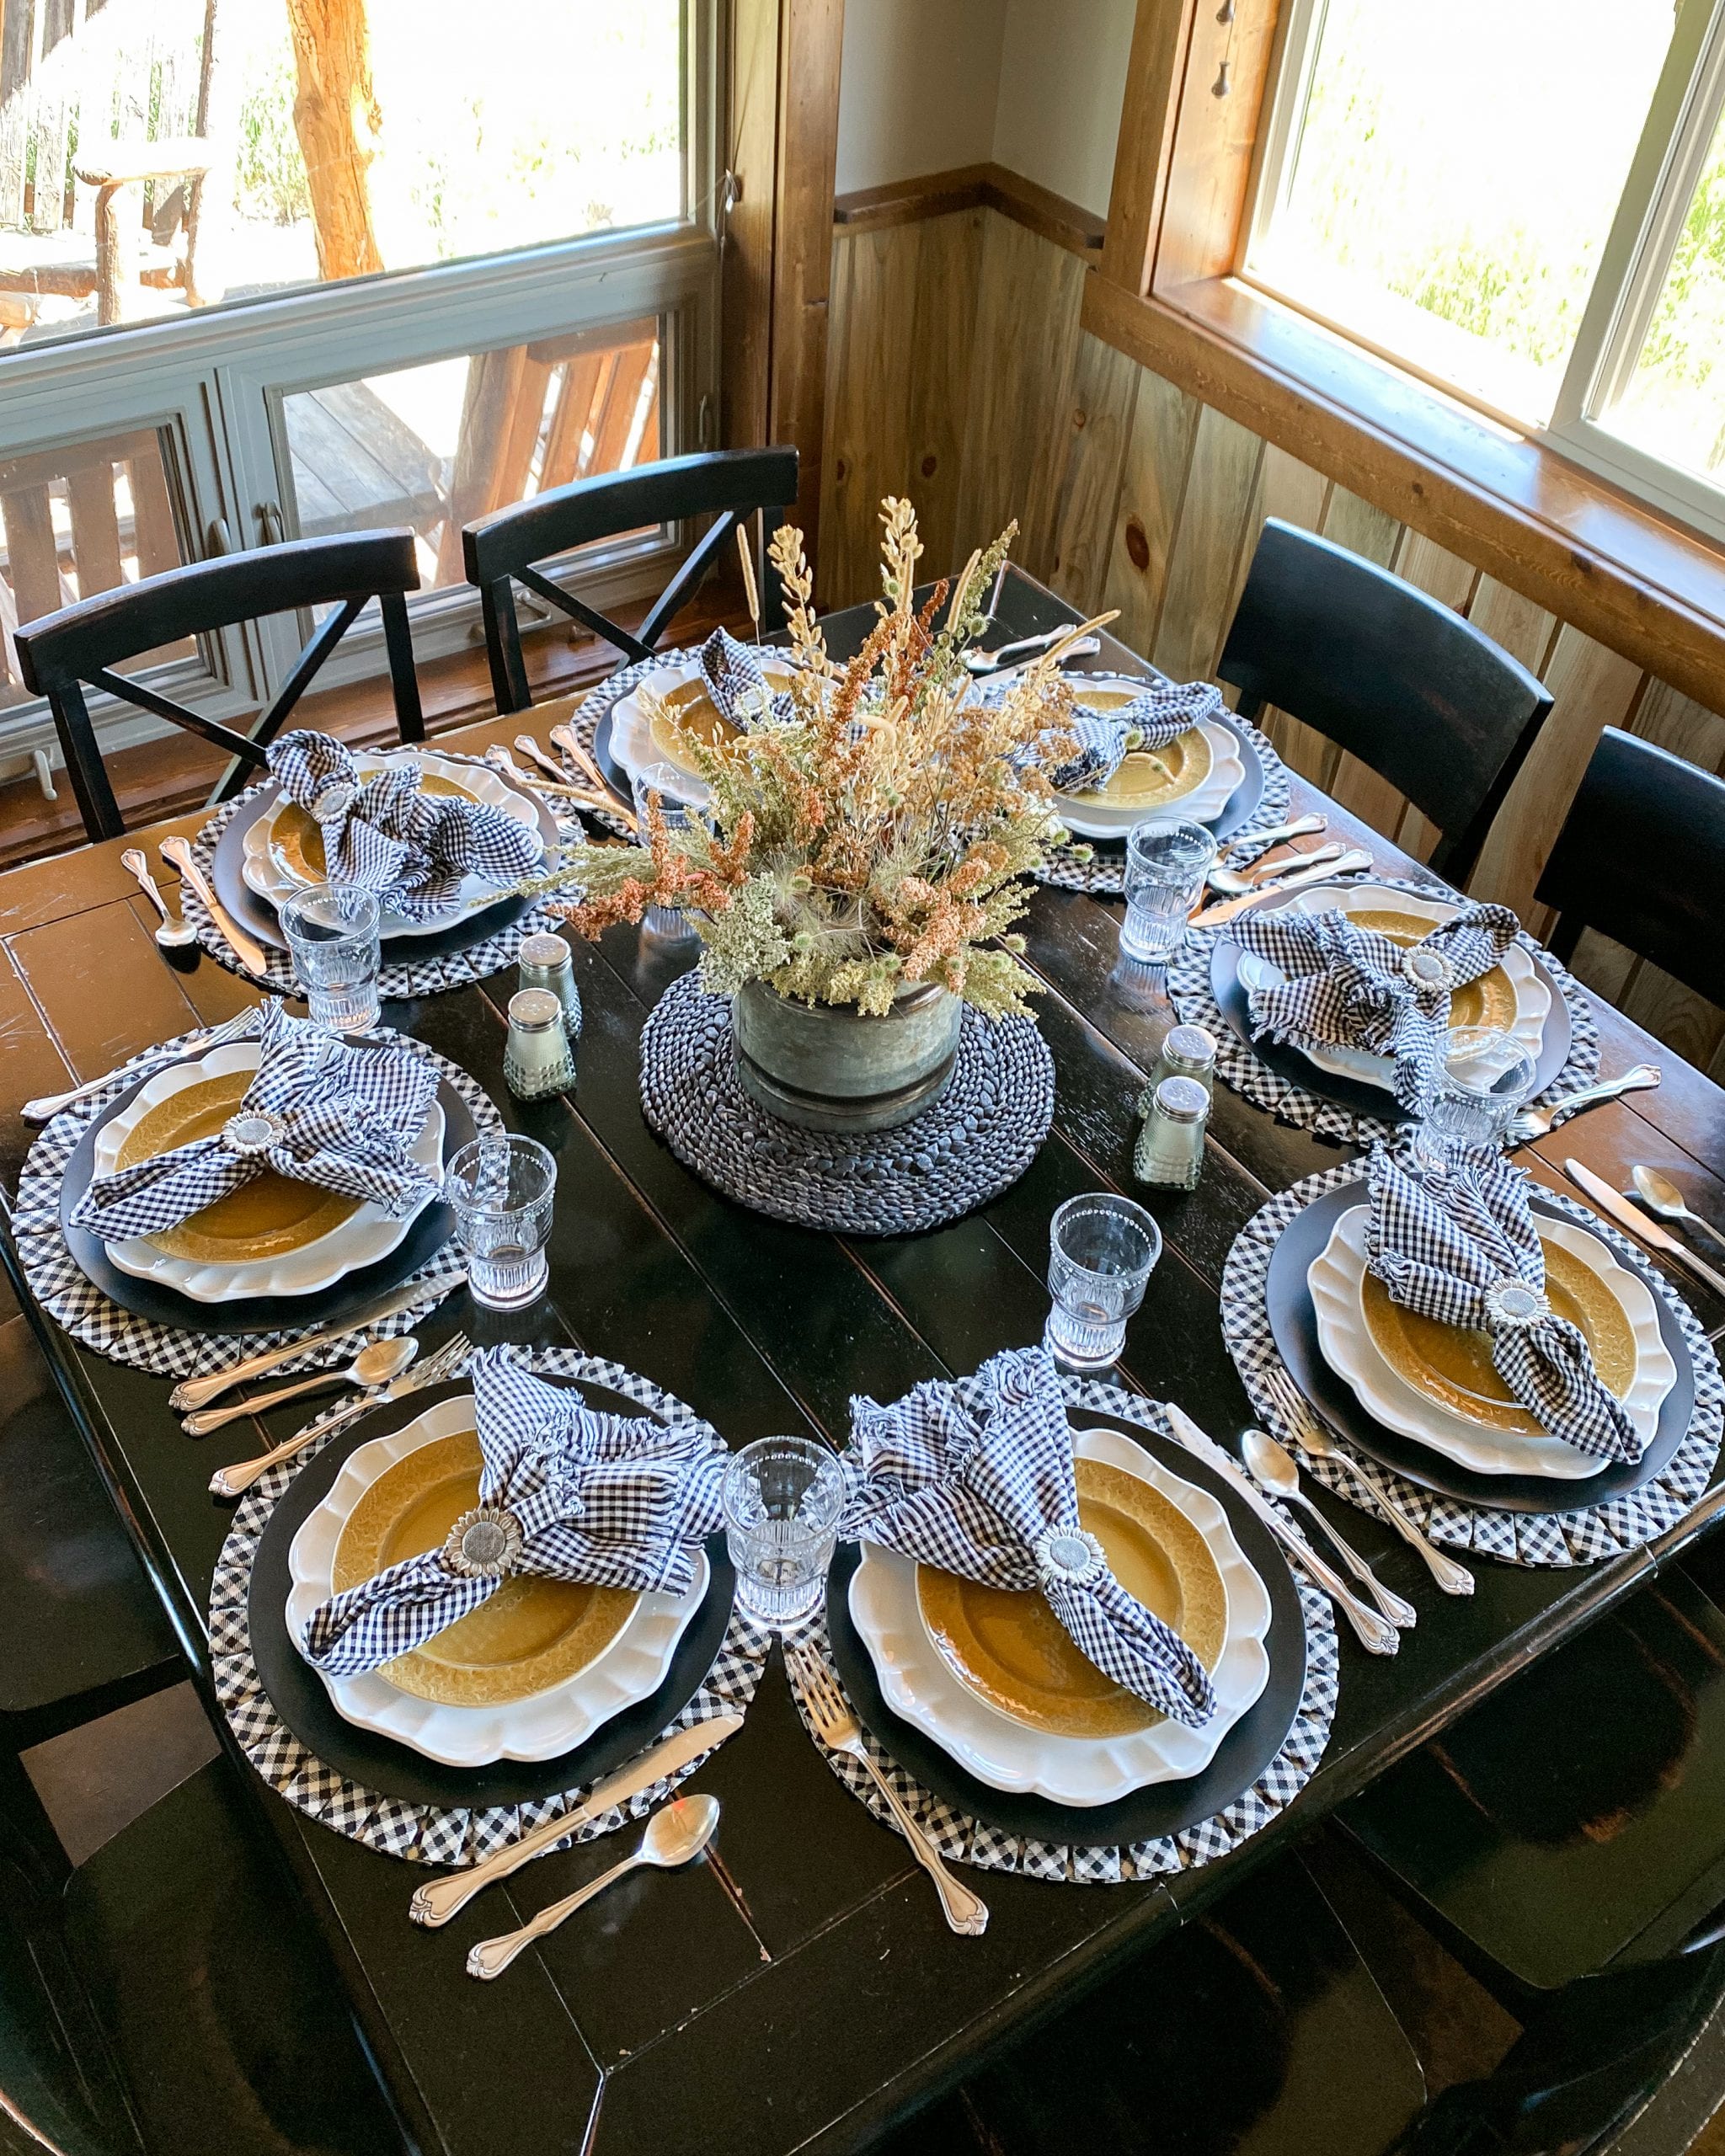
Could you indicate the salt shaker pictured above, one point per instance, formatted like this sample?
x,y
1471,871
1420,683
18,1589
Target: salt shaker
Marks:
x,y
537,1060
1169,1149
545,962
1188,1052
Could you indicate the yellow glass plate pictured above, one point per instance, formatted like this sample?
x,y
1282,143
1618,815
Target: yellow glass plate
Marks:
x,y
271,1216
1490,1000
1148,778
1451,1365
297,843
689,709
1009,1650
530,1634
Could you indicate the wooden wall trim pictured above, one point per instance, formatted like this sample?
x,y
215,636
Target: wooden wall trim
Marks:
x,y
974,187
1634,581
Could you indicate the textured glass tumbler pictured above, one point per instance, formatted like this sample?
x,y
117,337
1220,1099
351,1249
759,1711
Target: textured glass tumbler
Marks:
x,y
667,923
499,1190
1166,865
782,1499
332,932
1101,1251
1482,1081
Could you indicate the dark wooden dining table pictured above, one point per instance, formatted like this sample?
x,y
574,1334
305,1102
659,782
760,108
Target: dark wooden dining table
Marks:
x,y
804,1992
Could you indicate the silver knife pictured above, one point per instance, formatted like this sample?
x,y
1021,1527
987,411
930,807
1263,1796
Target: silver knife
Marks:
x,y
245,948
199,1392
440,1899
1321,872
1631,1219
1376,1634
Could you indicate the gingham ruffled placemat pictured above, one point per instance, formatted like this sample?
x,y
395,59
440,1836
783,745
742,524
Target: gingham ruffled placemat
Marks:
x,y
1555,1538
398,976
431,1834
174,1351
1240,1066
967,1840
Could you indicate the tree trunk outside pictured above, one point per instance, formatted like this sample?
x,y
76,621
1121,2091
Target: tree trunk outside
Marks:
x,y
337,119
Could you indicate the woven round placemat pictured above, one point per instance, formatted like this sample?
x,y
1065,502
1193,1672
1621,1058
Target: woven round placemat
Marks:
x,y
971,1145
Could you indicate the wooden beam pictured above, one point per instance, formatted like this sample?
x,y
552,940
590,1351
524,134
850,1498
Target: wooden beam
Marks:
x,y
974,187
337,119
746,262
1156,71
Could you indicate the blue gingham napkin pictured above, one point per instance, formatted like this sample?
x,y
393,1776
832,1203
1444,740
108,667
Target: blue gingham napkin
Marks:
x,y
565,1491
735,674
1353,987
414,849
317,1112
1158,714
1457,1243
989,1493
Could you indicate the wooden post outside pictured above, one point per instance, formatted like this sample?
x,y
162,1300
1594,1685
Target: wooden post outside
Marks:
x,y
118,218
209,195
337,119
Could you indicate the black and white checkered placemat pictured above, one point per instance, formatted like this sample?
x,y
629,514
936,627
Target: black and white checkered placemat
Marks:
x,y
432,1833
972,1143
1555,1538
401,974
967,1840
1240,1067
174,1351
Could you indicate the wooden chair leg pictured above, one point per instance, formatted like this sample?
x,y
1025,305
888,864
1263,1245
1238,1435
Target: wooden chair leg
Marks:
x,y
84,765
503,645
409,716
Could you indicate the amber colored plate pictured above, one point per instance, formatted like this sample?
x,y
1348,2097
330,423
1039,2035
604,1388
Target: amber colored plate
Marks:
x,y
1149,778
532,1634
1009,1649
268,1217
1490,1000
296,842
690,711
1451,1365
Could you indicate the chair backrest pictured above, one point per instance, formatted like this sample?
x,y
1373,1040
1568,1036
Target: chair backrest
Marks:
x,y
503,549
1393,675
60,654
1641,857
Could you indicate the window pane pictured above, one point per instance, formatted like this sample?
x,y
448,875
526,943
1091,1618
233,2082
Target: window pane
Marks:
x,y
1673,406
436,446
439,133
1455,175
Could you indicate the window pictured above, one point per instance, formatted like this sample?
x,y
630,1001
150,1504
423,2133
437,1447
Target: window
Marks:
x,y
1524,202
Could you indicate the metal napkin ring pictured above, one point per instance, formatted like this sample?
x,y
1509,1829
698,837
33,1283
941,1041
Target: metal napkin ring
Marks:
x,y
252,1132
1512,1306
1427,968
334,801
483,1545
1070,1554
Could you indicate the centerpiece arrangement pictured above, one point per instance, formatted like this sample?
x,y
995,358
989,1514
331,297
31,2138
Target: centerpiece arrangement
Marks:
x,y
864,850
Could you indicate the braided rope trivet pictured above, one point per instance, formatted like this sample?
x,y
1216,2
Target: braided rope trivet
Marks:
x,y
1554,1538
431,1834
967,1840
971,1145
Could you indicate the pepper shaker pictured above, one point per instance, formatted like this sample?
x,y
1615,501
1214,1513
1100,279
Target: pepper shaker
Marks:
x,y
1170,1149
544,961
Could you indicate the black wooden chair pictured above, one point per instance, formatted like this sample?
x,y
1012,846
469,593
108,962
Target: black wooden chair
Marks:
x,y
1641,857
1395,677
504,549
60,654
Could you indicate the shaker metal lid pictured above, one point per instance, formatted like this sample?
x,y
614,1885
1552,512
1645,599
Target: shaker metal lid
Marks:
x,y
545,950
1183,1099
534,1009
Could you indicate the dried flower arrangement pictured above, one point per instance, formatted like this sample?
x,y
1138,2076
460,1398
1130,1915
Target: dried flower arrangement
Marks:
x,y
879,837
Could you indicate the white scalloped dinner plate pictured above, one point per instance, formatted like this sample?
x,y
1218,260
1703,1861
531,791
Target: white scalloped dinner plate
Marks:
x,y
362,1239
1533,999
264,875
629,1670
632,741
915,1682
1337,1277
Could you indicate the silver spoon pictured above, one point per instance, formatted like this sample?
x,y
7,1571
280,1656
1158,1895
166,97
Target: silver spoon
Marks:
x,y
377,1362
1539,1123
1660,1194
1273,1465
172,933
1234,881
674,1836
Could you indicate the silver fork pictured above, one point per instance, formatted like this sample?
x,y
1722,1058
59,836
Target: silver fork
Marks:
x,y
1312,1437
231,1029
230,1481
836,1728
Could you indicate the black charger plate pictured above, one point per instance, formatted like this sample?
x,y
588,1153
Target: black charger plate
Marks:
x,y
298,1695
1287,1062
1293,1326
1144,1814
329,1306
258,916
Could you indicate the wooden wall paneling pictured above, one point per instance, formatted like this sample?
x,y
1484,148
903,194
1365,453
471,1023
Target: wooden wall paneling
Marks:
x,y
1152,486
1674,1014
1374,534
1221,484
1524,628
868,448
1678,722
1606,967
1104,395
944,357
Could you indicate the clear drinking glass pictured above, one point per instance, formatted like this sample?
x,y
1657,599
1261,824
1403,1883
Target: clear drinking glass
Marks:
x,y
782,1499
332,932
500,1190
1482,1078
1101,1251
1166,861
669,925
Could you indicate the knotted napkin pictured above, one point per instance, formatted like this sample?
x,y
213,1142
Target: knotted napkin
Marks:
x,y
988,1491
735,674
317,1112
565,1493
1457,1242
1349,986
414,849
1158,714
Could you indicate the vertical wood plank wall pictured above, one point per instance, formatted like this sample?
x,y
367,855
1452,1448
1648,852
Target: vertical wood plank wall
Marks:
x,y
958,375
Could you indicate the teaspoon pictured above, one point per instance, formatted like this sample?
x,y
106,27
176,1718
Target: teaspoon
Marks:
x,y
377,1362
1273,1465
1235,881
172,933
1660,1194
